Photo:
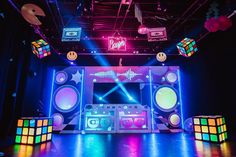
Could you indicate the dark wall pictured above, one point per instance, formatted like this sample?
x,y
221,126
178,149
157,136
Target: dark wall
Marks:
x,y
16,68
209,78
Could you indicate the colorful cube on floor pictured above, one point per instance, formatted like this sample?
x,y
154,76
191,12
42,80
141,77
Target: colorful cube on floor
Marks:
x,y
41,48
210,128
32,130
187,47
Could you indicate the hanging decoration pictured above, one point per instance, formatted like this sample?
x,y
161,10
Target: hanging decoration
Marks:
x,y
161,57
187,47
224,23
30,13
41,48
71,55
214,22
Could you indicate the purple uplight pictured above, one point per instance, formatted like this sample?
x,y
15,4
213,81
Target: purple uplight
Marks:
x,y
66,98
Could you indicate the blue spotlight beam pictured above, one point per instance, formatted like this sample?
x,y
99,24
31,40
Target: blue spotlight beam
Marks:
x,y
110,91
180,98
81,99
130,97
151,99
51,95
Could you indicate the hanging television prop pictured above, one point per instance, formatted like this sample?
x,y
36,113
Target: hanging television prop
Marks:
x,y
71,34
157,34
116,44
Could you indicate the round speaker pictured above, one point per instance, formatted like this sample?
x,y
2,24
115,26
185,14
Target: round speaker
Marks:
x,y
165,98
174,120
171,77
93,123
105,122
61,77
66,98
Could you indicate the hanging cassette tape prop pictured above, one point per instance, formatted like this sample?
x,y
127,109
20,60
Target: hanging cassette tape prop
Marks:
x,y
157,34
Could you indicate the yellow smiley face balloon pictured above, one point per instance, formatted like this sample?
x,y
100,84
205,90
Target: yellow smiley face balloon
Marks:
x,y
161,56
71,55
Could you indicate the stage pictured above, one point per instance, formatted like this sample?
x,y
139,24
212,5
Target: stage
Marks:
x,y
117,78
125,145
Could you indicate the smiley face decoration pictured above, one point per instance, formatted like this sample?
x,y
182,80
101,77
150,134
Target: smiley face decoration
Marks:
x,y
71,55
161,57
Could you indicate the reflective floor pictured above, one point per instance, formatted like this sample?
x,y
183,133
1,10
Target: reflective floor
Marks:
x,y
123,145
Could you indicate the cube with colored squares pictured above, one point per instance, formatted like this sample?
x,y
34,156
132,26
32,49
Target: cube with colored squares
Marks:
x,y
32,130
187,47
210,128
41,48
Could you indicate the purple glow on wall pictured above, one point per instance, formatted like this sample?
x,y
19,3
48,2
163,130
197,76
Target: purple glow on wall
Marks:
x,y
66,98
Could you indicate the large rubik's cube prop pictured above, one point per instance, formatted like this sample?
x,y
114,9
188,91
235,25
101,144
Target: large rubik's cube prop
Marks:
x,y
210,128
41,48
33,130
187,47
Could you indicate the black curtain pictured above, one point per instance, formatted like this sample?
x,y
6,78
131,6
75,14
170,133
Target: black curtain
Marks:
x,y
14,59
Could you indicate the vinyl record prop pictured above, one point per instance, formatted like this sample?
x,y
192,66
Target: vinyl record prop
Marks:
x,y
30,13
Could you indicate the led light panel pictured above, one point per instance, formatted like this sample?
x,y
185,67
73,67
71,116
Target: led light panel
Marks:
x,y
210,128
33,130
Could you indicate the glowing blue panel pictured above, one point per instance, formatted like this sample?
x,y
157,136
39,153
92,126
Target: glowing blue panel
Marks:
x,y
71,34
45,130
32,123
19,131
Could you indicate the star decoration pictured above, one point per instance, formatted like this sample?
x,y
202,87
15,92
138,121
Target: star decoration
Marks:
x,y
76,77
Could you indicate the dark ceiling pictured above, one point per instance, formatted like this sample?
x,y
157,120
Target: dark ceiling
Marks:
x,y
102,18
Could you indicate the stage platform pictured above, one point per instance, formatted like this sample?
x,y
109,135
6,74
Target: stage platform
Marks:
x,y
123,145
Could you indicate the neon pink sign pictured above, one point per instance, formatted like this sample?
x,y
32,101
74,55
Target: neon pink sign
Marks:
x,y
116,44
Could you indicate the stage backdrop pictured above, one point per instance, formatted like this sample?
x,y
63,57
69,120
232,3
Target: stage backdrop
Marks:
x,y
158,89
